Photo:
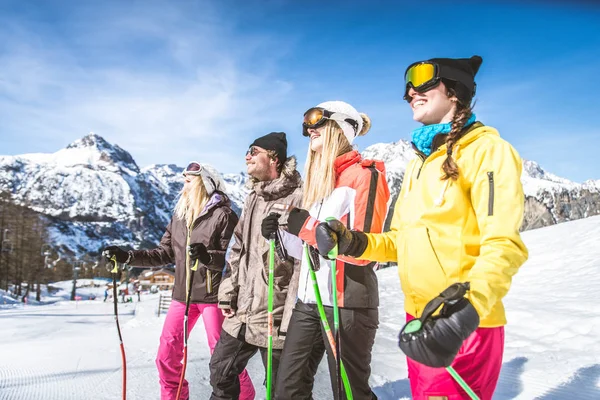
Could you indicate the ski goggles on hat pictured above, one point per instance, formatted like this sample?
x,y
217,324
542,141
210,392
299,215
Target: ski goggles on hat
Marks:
x,y
316,117
425,75
193,168
421,76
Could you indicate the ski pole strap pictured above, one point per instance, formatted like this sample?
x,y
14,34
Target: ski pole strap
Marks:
x,y
116,267
195,267
451,294
281,252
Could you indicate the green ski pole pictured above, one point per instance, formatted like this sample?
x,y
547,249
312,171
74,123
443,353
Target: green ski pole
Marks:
x,y
416,325
270,317
462,383
326,327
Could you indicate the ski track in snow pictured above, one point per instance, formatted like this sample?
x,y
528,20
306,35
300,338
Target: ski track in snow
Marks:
x,y
70,350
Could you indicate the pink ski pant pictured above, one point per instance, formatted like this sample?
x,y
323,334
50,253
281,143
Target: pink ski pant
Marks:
x,y
478,362
170,350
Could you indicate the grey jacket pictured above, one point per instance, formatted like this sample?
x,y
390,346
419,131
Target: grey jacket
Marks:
x,y
245,286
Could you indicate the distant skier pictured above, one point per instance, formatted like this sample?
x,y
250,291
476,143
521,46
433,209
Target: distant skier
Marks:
x,y
204,220
455,227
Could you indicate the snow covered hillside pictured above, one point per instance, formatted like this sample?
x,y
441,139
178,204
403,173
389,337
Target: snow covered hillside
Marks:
x,y
93,193
70,351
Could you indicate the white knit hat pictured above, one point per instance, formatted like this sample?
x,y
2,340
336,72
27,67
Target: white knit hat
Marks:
x,y
346,109
212,179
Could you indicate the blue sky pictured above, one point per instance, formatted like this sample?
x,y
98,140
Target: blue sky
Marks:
x,y
174,81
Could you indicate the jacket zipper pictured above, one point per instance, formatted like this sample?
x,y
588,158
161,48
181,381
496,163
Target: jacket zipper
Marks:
x,y
422,157
208,282
491,196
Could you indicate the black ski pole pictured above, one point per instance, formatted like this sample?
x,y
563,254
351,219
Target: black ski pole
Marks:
x,y
114,272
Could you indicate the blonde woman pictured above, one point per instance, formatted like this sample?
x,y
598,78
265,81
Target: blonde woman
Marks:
x,y
339,183
204,221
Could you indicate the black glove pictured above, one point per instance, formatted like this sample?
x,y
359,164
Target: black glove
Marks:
x,y
296,220
332,232
198,251
114,251
435,341
270,225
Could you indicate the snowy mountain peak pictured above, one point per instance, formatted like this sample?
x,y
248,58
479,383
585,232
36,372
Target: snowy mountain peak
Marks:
x,y
91,140
395,155
94,151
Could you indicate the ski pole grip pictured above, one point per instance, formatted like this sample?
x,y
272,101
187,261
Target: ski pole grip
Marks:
x,y
333,253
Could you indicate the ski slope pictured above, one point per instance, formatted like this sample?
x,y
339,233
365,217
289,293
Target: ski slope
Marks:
x,y
70,350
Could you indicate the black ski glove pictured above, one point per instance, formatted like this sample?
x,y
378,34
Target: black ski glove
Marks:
x,y
114,251
198,251
435,341
269,225
332,232
296,220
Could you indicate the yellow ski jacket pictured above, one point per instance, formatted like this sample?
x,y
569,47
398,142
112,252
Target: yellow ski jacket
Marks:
x,y
467,230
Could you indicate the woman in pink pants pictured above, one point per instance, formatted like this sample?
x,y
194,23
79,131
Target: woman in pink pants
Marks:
x,y
200,230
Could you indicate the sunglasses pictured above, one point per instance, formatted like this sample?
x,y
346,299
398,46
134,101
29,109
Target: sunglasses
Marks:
x,y
193,168
421,76
316,117
253,151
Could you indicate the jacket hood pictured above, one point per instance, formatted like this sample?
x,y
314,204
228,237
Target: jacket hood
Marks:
x,y
288,181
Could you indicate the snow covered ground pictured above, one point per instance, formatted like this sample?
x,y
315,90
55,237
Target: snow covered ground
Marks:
x,y
70,350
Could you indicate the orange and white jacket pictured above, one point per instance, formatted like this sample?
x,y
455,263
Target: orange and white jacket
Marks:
x,y
360,200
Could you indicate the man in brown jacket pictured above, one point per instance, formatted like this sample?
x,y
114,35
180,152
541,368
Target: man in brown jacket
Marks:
x,y
243,294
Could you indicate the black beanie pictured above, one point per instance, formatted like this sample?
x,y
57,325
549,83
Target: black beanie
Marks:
x,y
459,74
275,141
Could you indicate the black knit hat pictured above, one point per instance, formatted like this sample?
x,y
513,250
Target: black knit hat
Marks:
x,y
275,141
459,74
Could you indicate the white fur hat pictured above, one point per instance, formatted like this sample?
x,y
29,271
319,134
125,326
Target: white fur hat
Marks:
x,y
346,109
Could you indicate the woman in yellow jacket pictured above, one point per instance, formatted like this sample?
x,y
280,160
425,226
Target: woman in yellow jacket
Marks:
x,y
454,234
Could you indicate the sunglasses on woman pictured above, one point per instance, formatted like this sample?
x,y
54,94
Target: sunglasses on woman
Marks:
x,y
316,117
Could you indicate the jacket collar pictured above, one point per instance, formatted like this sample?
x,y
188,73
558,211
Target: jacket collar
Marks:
x,y
346,160
288,181
439,141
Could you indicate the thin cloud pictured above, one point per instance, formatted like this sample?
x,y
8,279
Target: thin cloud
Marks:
x,y
195,104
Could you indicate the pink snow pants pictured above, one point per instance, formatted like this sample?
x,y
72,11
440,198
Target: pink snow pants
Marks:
x,y
170,350
478,362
